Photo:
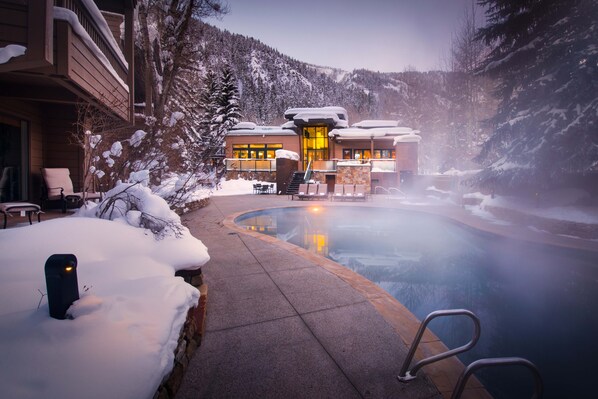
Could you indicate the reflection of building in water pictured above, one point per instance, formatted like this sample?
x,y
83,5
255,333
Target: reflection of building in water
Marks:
x,y
316,242
262,223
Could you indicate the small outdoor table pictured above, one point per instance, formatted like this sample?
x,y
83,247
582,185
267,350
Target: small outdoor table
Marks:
x,y
16,207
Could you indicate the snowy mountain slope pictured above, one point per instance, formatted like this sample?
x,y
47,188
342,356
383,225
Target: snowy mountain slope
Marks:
x,y
271,82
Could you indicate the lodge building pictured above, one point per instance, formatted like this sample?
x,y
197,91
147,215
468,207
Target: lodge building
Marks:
x,y
371,152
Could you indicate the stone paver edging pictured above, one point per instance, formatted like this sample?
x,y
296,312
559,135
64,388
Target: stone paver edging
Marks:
x,y
443,374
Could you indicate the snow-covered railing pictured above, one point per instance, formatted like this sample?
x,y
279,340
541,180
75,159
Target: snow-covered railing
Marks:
x,y
269,165
101,35
383,165
250,165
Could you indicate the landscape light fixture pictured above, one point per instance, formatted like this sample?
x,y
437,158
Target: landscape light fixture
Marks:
x,y
61,283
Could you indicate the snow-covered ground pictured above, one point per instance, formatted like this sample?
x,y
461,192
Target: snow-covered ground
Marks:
x,y
120,341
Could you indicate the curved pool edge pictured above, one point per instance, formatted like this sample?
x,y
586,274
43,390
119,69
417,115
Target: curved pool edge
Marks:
x,y
443,374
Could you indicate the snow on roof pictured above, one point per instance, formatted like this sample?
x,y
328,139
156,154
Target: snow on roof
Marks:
x,y
370,123
244,125
11,51
260,131
340,112
312,116
289,125
379,132
407,138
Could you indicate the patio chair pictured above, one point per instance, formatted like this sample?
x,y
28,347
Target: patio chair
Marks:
x,y
302,193
322,191
312,191
58,186
338,192
349,191
360,192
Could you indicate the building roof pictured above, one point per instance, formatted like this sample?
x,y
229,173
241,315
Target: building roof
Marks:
x,y
371,123
251,129
406,134
335,116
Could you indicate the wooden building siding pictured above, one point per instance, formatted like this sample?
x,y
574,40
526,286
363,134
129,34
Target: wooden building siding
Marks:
x,y
59,150
13,24
114,21
28,24
85,69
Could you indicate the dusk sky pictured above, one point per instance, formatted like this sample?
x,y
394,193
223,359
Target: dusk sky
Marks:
x,y
380,35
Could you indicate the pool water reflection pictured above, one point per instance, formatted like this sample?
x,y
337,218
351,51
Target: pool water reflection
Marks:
x,y
534,301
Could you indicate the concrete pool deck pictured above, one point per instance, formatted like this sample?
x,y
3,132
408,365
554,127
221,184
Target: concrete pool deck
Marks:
x,y
282,322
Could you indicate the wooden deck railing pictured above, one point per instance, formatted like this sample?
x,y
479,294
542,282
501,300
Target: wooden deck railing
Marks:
x,y
91,27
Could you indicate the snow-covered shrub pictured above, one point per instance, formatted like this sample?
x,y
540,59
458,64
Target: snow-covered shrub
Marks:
x,y
136,205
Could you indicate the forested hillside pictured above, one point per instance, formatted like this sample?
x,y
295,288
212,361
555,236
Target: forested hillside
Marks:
x,y
439,104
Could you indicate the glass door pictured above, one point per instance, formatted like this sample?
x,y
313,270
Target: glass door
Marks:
x,y
315,144
14,160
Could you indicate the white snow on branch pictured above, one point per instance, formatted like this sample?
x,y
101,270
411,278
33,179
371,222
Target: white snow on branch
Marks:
x,y
137,137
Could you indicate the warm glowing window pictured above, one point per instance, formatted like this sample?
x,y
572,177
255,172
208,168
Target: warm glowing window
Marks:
x,y
255,151
315,144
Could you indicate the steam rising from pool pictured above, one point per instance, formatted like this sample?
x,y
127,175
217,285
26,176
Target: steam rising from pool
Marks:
x,y
534,301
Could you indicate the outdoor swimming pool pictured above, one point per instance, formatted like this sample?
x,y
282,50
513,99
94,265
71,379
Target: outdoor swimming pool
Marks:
x,y
534,301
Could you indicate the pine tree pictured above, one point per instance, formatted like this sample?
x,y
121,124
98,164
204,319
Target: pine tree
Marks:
x,y
546,60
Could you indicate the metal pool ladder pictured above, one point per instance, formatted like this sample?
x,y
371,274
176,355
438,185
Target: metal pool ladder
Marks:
x,y
406,375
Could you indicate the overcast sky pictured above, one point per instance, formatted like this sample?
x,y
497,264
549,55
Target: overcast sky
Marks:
x,y
380,35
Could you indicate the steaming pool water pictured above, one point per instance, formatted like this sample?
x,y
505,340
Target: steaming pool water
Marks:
x,y
534,301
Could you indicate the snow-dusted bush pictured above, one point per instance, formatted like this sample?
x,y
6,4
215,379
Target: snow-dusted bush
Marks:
x,y
136,205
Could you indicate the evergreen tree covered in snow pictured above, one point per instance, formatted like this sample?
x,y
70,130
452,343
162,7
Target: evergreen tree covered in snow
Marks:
x,y
545,56
228,113
220,105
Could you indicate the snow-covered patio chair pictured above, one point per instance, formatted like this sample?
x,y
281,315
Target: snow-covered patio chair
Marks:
x,y
58,186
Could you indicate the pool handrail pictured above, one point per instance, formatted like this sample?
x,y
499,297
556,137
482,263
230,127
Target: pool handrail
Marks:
x,y
406,375
501,361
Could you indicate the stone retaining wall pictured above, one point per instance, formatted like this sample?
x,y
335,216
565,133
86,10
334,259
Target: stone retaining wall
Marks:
x,y
190,337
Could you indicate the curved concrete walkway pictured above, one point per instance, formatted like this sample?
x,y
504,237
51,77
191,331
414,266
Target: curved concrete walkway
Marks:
x,y
283,323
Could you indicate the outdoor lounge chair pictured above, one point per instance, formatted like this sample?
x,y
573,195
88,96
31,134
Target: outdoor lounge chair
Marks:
x,y
349,191
360,192
58,186
338,192
312,191
322,191
302,193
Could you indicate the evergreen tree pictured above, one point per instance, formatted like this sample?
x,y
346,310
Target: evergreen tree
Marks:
x,y
228,112
546,60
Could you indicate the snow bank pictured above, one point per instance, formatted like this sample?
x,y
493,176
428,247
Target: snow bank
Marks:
x,y
565,205
120,343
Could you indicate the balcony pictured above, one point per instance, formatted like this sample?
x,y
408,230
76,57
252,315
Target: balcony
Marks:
x,y
71,55
269,165
250,165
